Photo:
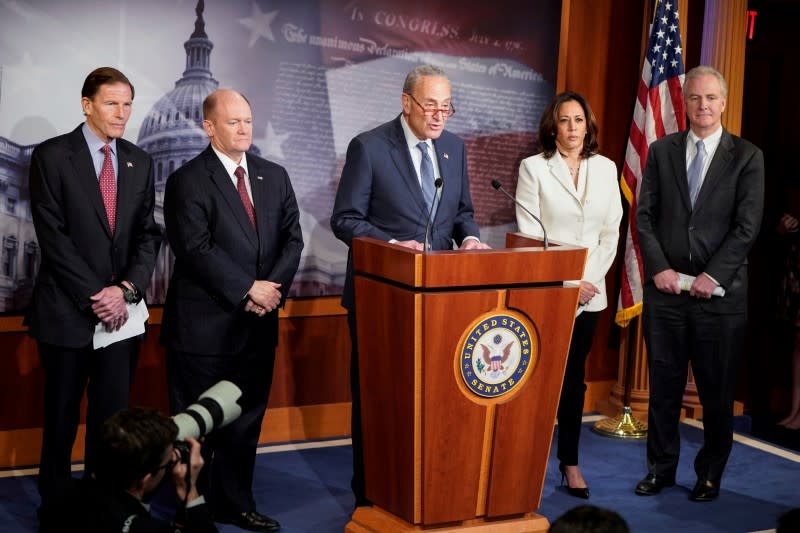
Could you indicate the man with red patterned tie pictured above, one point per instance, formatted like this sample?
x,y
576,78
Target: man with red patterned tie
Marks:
x,y
232,221
92,199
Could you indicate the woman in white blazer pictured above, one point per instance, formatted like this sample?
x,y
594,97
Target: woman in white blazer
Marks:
x,y
574,191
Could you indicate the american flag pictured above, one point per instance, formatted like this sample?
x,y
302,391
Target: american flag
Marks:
x,y
659,111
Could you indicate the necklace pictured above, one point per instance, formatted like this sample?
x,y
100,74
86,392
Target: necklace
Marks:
x,y
573,170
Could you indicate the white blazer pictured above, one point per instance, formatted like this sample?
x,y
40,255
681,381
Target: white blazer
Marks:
x,y
588,216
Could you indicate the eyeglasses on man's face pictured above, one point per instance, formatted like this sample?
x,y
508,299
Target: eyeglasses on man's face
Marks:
x,y
447,110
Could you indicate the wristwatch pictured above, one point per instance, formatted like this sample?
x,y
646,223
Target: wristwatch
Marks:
x,y
131,297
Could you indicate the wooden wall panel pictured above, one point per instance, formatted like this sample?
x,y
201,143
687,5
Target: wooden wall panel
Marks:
x,y
309,398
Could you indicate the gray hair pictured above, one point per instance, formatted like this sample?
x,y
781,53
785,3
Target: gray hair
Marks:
x,y
703,70
419,72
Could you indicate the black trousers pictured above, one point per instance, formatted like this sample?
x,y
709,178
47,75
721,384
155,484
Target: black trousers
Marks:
x,y
105,375
573,390
229,452
358,483
676,336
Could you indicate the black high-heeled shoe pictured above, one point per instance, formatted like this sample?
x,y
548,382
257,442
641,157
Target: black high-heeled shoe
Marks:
x,y
578,492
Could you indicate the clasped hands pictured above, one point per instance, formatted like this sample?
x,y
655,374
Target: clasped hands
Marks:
x,y
787,224
109,306
668,281
263,297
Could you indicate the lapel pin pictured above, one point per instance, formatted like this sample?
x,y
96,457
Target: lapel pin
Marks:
x,y
259,178
130,165
445,155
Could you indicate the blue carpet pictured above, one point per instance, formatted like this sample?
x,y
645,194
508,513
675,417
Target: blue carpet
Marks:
x,y
308,490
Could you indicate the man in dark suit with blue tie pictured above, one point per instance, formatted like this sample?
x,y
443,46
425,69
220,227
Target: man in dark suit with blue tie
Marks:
x,y
92,199
699,213
396,178
233,223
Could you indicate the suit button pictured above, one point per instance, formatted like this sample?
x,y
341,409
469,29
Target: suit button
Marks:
x,y
691,228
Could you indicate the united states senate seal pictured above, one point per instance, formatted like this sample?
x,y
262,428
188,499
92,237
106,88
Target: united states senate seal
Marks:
x,y
497,353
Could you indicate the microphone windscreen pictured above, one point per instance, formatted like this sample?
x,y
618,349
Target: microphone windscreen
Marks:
x,y
496,184
438,183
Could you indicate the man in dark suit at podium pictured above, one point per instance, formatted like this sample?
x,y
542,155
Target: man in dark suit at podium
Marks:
x,y
233,222
404,182
92,199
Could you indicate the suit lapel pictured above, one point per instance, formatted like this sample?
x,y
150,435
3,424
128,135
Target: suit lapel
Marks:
x,y
556,165
229,194
446,172
677,156
258,186
83,166
405,167
722,157
126,172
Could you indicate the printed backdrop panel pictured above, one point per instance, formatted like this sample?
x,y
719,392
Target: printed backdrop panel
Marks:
x,y
317,73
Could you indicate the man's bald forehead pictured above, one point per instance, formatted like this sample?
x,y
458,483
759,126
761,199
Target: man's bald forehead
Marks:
x,y
213,100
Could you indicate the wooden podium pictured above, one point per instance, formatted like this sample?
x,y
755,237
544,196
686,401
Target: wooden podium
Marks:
x,y
461,356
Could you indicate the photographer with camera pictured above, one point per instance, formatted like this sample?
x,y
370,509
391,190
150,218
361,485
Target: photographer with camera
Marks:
x,y
138,454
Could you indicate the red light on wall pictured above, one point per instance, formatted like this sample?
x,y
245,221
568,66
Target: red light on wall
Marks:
x,y
751,23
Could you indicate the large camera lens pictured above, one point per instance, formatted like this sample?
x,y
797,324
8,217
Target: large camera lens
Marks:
x,y
215,408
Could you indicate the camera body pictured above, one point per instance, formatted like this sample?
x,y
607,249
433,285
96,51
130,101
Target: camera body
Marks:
x,y
184,451
216,407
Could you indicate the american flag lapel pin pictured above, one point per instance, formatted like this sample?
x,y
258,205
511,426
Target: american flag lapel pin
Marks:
x,y
130,165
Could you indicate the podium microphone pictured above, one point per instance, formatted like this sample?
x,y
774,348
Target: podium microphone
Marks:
x,y
498,186
438,185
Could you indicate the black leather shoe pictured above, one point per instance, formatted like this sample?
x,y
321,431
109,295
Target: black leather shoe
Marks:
x,y
652,484
704,491
251,521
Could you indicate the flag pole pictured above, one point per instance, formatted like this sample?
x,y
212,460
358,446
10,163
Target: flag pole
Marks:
x,y
662,64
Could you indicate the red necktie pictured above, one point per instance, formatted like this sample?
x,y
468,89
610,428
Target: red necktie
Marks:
x,y
108,188
242,188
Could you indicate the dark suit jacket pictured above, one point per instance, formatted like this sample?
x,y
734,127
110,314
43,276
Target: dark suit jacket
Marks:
x,y
716,236
79,255
380,196
88,506
218,254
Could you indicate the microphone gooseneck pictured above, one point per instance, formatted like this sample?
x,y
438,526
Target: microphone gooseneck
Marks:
x,y
438,185
499,187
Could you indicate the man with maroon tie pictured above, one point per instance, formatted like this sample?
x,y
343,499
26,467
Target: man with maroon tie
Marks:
x,y
92,199
232,221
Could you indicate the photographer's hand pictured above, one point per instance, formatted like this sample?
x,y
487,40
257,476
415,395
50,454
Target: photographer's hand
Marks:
x,y
194,467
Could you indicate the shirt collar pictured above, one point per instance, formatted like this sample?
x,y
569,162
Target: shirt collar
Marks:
x,y
94,142
411,139
709,141
229,164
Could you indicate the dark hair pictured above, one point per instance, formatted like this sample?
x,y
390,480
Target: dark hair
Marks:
x,y
103,76
133,444
548,126
210,101
589,519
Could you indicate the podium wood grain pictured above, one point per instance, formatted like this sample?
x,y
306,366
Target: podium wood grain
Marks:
x,y
435,454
